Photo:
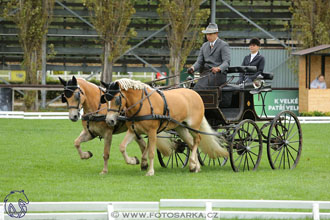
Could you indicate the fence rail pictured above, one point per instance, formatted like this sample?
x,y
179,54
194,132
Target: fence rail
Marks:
x,y
34,115
167,208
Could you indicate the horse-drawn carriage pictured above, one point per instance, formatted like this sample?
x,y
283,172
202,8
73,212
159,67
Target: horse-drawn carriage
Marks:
x,y
234,120
231,110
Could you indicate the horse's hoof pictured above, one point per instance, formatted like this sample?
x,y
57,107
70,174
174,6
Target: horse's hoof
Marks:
x,y
137,160
150,174
193,170
144,167
103,172
90,154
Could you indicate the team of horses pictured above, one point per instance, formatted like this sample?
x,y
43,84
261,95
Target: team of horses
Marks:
x,y
135,107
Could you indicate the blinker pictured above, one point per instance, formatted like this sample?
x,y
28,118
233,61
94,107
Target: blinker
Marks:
x,y
118,100
68,93
63,98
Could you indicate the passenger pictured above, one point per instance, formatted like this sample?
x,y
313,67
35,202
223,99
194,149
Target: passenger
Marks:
x,y
253,59
319,83
213,60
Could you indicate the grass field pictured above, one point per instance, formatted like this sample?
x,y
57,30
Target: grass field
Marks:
x,y
39,157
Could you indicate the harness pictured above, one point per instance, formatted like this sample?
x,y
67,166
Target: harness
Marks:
x,y
69,91
93,116
164,118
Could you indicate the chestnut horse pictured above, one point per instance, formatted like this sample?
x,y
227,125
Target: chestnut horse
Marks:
x,y
149,111
81,94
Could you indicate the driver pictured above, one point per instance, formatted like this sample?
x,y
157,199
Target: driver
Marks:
x,y
213,60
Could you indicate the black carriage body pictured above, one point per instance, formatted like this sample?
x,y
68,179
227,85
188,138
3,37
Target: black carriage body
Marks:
x,y
232,103
231,109
241,106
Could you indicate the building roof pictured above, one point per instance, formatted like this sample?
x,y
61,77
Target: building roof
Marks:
x,y
311,50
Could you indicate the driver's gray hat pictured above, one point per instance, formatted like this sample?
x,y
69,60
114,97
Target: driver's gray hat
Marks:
x,y
212,28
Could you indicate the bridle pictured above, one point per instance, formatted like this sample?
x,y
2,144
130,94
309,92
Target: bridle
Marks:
x,y
69,91
109,95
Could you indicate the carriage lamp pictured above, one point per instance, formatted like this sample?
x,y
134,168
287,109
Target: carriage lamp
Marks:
x,y
258,83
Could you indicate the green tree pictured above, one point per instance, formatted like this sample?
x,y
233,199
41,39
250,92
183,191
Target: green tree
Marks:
x,y
32,18
310,22
184,32
111,19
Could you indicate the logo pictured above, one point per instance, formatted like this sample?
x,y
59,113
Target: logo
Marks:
x,y
15,204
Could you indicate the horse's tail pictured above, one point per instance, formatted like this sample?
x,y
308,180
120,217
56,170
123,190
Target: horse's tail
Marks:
x,y
212,145
165,144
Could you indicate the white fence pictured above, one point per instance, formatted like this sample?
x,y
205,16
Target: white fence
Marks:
x,y
118,75
34,115
176,209
64,115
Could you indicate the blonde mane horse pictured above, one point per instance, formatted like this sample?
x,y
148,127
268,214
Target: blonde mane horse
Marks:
x,y
138,100
81,94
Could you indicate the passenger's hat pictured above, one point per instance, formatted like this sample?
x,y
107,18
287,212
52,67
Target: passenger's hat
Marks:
x,y
254,41
212,28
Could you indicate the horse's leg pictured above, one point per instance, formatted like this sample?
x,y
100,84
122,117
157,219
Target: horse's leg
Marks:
x,y
83,137
106,151
152,138
128,139
196,166
186,136
144,160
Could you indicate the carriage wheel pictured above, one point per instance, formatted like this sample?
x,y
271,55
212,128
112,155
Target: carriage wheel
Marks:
x,y
246,146
205,160
284,142
178,158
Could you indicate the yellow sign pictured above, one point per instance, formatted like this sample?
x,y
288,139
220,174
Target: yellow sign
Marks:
x,y
18,75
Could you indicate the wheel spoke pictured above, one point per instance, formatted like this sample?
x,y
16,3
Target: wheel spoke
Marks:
x,y
292,148
252,139
240,160
283,123
254,146
219,161
185,154
169,160
277,155
253,153
176,159
180,159
251,159
291,155
284,157
292,136
281,158
287,155
247,161
244,163
289,132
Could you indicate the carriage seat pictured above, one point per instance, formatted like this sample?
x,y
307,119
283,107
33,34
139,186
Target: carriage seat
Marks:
x,y
249,87
242,69
266,76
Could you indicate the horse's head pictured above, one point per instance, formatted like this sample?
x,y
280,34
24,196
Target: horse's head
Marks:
x,y
115,100
73,96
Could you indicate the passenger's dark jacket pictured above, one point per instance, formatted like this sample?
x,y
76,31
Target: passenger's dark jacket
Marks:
x,y
258,61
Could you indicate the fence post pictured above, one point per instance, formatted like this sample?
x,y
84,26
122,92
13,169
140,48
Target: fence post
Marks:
x,y
208,207
110,212
316,211
2,212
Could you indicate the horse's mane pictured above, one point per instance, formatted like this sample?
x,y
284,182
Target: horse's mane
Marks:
x,y
132,84
82,82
